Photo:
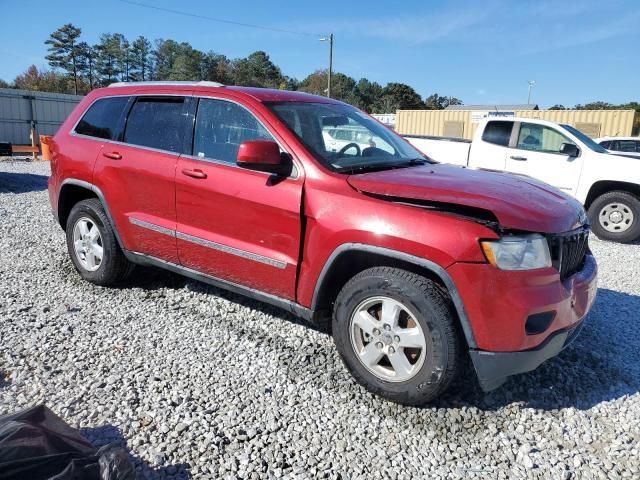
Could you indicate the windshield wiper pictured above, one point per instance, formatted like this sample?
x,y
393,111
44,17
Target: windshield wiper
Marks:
x,y
413,162
372,167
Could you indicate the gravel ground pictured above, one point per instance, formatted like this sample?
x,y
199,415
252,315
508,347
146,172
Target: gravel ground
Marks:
x,y
199,383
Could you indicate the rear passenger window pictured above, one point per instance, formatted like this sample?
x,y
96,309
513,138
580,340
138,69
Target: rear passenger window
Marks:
x,y
156,123
497,133
101,120
220,129
626,146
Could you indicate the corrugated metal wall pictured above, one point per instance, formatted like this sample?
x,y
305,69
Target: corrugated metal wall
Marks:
x,y
19,107
432,122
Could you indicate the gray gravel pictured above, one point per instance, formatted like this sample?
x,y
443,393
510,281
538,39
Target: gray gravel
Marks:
x,y
199,383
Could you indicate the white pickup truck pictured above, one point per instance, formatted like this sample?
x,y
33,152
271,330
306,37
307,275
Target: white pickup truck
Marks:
x,y
608,185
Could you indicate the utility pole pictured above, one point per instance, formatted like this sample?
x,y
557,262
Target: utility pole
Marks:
x,y
329,73
531,84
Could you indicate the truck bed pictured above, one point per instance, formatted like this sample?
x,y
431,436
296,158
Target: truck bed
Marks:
x,y
442,149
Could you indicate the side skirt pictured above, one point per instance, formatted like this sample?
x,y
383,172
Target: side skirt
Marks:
x,y
292,307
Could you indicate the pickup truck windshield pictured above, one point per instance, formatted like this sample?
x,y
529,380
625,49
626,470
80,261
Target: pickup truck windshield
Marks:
x,y
345,139
584,139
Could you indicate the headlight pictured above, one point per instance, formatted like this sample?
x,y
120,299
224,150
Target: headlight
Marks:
x,y
518,252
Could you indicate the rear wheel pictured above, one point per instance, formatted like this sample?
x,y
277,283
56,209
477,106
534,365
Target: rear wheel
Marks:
x,y
615,216
396,334
92,245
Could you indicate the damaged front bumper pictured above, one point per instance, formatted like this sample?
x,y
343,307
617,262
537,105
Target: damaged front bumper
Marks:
x,y
494,368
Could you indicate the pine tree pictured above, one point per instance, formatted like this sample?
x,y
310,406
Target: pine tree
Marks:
x,y
109,64
87,63
140,59
64,51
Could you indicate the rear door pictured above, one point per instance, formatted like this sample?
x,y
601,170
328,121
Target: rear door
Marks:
x,y
536,152
137,175
490,150
235,224
101,123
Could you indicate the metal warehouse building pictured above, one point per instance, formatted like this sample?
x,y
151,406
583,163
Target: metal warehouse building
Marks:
x,y
461,121
20,110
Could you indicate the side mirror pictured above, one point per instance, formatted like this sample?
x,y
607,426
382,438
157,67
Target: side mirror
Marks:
x,y
263,156
569,149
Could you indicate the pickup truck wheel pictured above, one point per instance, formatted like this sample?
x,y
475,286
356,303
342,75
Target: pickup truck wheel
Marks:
x,y
92,245
615,216
396,334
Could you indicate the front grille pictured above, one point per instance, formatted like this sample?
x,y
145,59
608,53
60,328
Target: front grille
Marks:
x,y
568,251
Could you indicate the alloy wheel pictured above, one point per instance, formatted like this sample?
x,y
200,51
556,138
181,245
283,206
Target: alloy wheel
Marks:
x,y
387,339
87,244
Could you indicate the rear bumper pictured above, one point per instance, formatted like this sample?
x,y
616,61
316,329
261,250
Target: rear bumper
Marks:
x,y
493,368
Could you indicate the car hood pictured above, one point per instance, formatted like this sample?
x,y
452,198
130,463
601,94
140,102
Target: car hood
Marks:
x,y
517,202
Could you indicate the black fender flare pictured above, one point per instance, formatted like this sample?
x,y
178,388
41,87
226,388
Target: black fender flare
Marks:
x,y
433,267
99,194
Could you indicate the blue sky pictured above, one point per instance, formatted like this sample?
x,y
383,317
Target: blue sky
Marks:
x,y
480,51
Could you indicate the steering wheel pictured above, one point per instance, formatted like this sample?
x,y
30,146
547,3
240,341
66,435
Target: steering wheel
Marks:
x,y
347,147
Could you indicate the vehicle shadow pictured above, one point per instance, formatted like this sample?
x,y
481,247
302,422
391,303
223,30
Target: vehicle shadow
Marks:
x,y
22,182
599,366
152,278
109,434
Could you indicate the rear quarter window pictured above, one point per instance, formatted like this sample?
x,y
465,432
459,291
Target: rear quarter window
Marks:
x,y
498,133
102,117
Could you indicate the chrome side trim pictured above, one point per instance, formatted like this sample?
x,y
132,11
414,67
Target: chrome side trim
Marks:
x,y
288,305
209,244
152,226
231,250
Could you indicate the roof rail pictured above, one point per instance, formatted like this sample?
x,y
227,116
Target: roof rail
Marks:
x,y
186,83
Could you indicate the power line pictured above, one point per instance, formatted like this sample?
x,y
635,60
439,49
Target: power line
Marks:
x,y
219,20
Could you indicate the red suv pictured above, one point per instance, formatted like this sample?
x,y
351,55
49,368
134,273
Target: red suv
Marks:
x,y
311,205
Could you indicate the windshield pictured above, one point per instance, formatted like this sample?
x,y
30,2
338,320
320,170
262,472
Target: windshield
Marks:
x,y
345,139
584,139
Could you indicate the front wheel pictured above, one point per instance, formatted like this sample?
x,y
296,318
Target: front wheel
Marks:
x,y
615,216
396,334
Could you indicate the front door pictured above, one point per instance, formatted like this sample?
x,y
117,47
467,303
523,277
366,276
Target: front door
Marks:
x,y
537,153
235,224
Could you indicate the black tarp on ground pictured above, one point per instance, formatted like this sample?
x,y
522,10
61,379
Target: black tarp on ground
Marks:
x,y
36,444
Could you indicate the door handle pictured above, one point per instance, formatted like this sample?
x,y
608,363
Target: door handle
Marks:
x,y
520,159
195,173
112,155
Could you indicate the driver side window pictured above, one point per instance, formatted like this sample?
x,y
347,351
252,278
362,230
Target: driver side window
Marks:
x,y
221,127
539,138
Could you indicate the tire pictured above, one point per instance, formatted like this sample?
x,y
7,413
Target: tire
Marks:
x,y
421,304
113,266
615,216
